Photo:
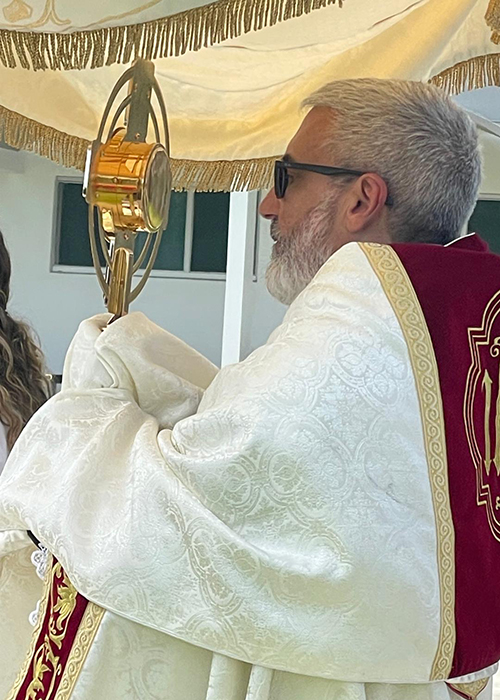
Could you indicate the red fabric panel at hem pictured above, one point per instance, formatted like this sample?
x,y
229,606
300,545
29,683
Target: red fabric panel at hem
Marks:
x,y
62,618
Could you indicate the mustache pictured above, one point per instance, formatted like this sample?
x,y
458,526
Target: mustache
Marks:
x,y
275,231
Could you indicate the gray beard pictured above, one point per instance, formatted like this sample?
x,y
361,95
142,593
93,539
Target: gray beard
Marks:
x,y
297,257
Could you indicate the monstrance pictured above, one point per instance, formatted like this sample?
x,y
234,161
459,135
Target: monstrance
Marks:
x,y
127,185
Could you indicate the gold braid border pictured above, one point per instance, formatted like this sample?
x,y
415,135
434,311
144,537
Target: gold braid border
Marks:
x,y
81,646
216,175
404,301
471,689
493,20
170,36
82,642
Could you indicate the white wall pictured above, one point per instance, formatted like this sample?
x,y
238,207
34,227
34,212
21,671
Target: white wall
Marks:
x,y
54,303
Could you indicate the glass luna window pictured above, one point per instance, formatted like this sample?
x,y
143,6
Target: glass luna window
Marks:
x,y
195,239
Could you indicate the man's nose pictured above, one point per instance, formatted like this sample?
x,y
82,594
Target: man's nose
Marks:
x,y
269,206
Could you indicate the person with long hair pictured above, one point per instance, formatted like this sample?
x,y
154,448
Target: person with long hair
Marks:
x,y
24,384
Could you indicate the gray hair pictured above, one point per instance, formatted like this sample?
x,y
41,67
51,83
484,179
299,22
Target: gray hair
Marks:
x,y
414,136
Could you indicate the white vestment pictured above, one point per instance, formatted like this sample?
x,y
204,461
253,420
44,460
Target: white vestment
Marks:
x,y
271,538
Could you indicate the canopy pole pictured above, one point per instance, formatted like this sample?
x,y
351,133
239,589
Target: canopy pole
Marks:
x,y
239,271
484,124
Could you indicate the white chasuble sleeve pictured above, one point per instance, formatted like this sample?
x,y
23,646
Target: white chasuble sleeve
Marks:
x,y
288,522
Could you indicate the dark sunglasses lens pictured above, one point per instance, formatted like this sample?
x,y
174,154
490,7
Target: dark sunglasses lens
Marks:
x,y
280,180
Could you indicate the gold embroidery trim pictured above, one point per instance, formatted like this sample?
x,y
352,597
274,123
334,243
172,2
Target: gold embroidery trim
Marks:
x,y
64,604
87,631
34,636
46,658
404,301
479,336
191,30
471,689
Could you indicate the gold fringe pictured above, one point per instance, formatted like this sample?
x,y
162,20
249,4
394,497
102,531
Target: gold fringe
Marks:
x,y
492,18
26,134
476,72
18,131
223,175
170,36
219,175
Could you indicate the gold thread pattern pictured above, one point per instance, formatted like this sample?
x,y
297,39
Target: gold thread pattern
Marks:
x,y
492,18
34,637
471,689
81,646
60,597
46,659
169,36
49,14
483,336
17,11
404,301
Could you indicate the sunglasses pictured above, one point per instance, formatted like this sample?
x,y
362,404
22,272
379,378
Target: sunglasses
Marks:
x,y
281,179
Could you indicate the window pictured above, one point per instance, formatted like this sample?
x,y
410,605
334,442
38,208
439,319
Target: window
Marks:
x,y
485,221
193,244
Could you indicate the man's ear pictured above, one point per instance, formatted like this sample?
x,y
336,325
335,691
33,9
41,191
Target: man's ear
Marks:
x,y
365,203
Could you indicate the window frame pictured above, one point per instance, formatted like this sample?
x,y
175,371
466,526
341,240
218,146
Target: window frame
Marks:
x,y
185,273
488,197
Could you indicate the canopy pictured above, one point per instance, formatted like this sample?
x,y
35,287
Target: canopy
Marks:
x,y
233,72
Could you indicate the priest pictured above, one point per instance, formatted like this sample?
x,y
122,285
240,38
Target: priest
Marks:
x,y
319,521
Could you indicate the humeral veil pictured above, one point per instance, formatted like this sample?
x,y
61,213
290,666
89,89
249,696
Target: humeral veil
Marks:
x,y
320,521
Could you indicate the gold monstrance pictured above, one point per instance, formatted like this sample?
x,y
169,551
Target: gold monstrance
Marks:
x,y
128,183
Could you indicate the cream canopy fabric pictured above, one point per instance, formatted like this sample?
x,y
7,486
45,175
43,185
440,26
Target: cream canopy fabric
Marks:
x,y
234,104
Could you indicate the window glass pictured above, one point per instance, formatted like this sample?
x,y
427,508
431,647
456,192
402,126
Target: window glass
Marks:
x,y
209,245
485,221
74,246
211,219
171,251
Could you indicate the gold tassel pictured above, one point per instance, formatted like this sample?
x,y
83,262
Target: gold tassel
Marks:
x,y
476,72
203,176
171,36
20,132
223,175
492,18
217,175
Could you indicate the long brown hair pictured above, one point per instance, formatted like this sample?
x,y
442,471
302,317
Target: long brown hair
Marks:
x,y
24,385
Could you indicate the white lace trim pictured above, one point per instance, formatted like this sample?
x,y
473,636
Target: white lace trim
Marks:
x,y
40,560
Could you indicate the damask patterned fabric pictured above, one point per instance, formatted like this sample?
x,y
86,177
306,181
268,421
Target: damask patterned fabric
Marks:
x,y
286,524
20,590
